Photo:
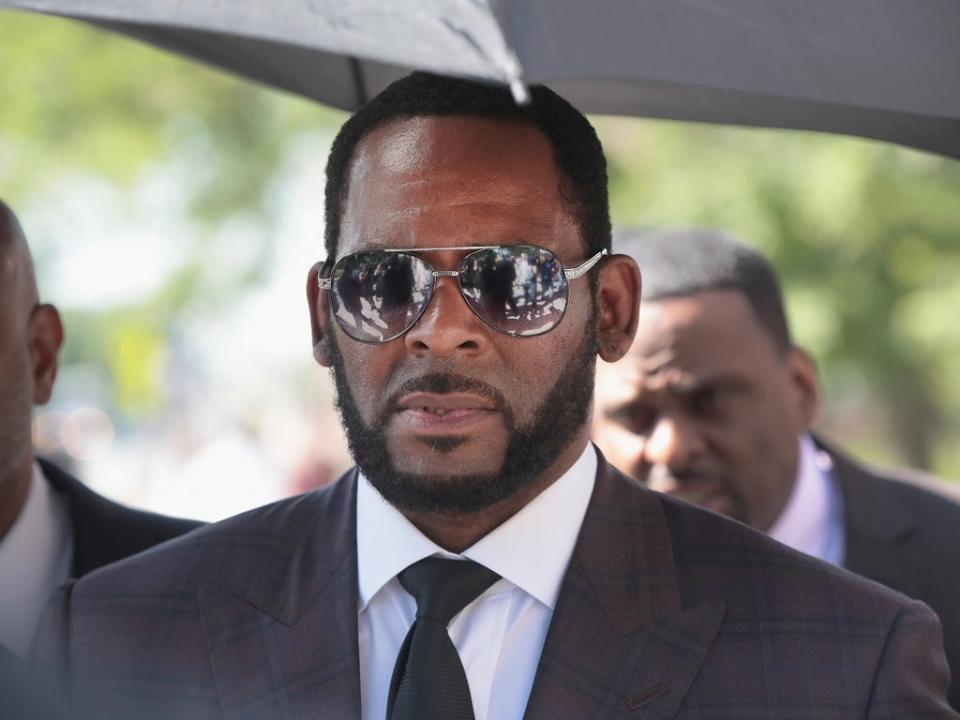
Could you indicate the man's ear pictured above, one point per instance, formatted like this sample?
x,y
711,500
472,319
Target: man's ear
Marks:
x,y
45,337
319,303
618,305
805,385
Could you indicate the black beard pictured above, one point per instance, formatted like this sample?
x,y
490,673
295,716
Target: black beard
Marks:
x,y
530,450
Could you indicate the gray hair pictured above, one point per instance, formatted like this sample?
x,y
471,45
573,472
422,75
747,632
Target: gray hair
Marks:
x,y
682,262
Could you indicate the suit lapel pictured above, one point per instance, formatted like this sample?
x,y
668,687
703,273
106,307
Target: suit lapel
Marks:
x,y
287,647
620,642
875,525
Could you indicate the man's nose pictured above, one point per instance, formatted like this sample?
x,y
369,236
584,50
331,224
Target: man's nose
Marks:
x,y
674,443
448,327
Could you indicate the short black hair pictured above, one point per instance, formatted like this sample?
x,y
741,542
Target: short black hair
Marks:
x,y
681,262
576,147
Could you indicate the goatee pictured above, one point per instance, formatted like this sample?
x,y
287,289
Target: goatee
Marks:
x,y
530,449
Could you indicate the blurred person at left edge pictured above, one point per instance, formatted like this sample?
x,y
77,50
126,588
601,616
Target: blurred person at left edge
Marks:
x,y
52,527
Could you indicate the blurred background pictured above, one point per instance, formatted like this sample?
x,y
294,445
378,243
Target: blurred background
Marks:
x,y
174,211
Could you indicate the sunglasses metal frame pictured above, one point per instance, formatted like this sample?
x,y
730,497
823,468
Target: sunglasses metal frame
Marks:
x,y
569,273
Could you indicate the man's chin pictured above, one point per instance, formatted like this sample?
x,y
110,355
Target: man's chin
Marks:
x,y
452,494
446,460
718,504
704,493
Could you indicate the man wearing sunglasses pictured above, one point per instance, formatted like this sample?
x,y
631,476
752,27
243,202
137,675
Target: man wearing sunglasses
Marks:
x,y
483,560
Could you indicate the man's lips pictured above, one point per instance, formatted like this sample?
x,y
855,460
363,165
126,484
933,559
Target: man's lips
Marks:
x,y
444,402
439,411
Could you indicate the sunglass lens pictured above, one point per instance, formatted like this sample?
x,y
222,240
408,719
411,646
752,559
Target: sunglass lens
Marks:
x,y
378,296
519,289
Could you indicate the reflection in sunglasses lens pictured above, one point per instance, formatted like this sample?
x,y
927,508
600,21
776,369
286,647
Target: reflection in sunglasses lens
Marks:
x,y
520,290
379,295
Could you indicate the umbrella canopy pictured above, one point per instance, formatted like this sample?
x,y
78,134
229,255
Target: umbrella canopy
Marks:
x,y
882,69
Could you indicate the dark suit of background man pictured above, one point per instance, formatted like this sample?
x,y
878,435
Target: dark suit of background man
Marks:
x,y
714,404
544,583
51,526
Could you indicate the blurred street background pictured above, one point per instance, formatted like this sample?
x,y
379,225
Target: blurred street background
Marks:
x,y
174,211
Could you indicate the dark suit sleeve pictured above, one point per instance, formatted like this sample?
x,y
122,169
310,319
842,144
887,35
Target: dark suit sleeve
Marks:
x,y
912,676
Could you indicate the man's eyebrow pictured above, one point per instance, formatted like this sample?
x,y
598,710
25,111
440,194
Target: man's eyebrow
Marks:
x,y
724,381
622,406
690,383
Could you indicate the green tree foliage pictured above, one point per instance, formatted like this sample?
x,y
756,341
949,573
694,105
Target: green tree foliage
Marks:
x,y
78,98
79,104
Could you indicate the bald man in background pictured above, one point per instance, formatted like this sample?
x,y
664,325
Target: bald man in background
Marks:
x,y
52,527
714,404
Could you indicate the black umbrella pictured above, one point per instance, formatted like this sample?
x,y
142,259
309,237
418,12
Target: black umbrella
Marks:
x,y
884,69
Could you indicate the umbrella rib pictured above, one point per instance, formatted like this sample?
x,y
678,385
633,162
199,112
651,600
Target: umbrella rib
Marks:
x,y
359,82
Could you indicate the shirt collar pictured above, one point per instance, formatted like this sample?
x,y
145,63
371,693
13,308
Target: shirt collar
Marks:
x,y
806,518
36,551
531,549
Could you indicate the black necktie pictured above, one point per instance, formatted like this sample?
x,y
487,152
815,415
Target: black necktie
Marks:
x,y
428,681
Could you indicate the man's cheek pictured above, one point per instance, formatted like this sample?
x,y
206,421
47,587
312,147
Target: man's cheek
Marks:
x,y
370,370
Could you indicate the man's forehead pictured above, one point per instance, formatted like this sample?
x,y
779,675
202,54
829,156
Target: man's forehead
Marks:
x,y
452,160
11,234
16,266
17,286
718,318
700,335
405,144
475,180
13,250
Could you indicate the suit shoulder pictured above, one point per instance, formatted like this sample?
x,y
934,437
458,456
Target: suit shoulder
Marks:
x,y
923,493
230,553
753,568
105,531
864,479
905,502
154,527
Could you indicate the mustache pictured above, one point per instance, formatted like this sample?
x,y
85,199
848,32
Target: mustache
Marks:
x,y
445,382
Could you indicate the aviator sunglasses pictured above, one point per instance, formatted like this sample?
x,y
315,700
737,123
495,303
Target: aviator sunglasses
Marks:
x,y
519,290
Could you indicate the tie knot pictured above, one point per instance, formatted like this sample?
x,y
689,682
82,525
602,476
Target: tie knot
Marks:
x,y
443,587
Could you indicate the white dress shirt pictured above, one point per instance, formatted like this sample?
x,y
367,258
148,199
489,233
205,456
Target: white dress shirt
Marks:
x,y
35,558
500,635
812,521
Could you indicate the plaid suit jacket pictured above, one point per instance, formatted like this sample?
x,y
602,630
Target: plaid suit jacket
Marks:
x,y
104,531
666,611
903,530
